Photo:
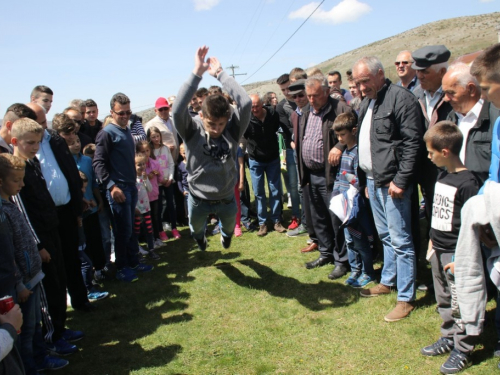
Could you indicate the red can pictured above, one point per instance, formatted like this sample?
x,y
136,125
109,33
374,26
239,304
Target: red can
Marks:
x,y
6,303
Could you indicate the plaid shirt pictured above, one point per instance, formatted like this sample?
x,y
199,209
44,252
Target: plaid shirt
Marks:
x,y
312,144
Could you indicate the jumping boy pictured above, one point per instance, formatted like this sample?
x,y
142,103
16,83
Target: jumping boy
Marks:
x,y
454,187
211,142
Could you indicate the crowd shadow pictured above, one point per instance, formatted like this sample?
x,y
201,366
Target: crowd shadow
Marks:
x,y
314,296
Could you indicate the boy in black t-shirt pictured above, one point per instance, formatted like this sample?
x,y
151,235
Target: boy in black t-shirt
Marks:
x,y
453,188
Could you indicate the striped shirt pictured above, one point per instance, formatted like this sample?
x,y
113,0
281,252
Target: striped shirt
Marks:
x,y
312,146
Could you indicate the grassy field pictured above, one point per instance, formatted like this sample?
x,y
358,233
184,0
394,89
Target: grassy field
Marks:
x,y
255,309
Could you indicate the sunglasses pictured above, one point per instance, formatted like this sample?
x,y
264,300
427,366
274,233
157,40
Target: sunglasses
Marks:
x,y
123,113
298,96
398,63
163,109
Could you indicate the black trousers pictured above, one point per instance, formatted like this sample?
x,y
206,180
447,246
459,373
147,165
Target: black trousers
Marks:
x,y
331,241
68,233
94,249
306,207
54,284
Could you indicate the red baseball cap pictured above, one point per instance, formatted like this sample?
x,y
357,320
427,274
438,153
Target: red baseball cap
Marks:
x,y
161,103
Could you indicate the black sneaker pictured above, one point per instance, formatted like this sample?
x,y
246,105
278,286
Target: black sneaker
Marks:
x,y
225,241
202,244
456,362
441,346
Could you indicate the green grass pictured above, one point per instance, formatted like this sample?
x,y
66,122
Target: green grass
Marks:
x,y
254,309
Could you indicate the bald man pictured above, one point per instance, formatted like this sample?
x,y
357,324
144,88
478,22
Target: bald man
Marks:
x,y
407,75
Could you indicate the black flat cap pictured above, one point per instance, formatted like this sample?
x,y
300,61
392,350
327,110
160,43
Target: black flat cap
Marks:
x,y
298,86
429,55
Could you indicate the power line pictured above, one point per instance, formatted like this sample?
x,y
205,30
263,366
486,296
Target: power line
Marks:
x,y
279,49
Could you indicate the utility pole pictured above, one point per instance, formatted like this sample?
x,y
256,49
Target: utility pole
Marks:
x,y
232,67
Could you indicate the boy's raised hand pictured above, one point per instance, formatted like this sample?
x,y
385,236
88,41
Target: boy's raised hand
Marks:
x,y
200,65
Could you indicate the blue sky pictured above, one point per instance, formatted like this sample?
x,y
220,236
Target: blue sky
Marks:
x,y
95,48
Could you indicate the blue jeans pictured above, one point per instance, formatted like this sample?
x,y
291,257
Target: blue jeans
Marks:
x,y
272,171
360,253
87,269
33,349
126,246
393,222
199,209
292,182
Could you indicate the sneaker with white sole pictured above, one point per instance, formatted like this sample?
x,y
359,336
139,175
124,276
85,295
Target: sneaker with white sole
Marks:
x,y
127,275
441,346
158,243
456,362
141,267
362,281
96,295
225,241
72,336
142,251
52,363
152,255
61,347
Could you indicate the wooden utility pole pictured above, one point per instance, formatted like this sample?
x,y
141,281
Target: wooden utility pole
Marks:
x,y
232,67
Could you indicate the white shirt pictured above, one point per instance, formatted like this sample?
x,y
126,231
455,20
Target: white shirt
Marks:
x,y
431,100
466,123
364,147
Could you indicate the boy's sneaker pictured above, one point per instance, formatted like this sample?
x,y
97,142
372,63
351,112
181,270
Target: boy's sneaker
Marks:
x,y
352,278
152,255
52,363
248,226
300,230
127,275
176,234
72,336
456,362
216,230
61,347
158,243
225,241
142,251
237,232
362,281
202,244
441,346
142,268
401,311
294,224
96,295
163,236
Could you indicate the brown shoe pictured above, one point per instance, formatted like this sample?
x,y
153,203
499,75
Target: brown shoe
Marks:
x,y
311,247
375,291
279,228
401,311
262,230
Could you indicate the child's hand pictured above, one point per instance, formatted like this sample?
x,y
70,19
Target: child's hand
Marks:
x,y
92,203
44,254
186,193
14,317
144,176
167,183
151,175
451,267
241,186
24,295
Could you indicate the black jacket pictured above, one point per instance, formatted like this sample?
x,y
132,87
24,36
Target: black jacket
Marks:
x,y
396,136
285,108
91,131
334,108
478,144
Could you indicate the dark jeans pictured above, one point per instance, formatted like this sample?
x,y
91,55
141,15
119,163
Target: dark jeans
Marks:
x,y
94,249
170,212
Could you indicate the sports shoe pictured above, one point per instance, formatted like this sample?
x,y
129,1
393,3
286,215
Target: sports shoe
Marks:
x,y
362,281
225,241
456,362
294,224
163,236
142,267
376,291
153,256
142,251
262,230
352,278
176,234
95,295
216,230
127,275
72,336
202,244
99,275
166,227
309,241
109,271
158,243
52,363
278,227
441,346
248,226
401,311
300,230
237,232
61,347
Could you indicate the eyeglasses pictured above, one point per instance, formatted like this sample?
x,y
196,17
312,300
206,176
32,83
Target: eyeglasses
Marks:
x,y
298,96
163,109
123,113
398,63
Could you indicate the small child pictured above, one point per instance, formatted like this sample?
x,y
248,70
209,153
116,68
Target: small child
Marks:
x,y
359,249
211,146
182,175
143,208
453,188
155,177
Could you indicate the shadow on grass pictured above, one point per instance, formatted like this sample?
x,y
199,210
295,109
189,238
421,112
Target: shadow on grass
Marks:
x,y
315,297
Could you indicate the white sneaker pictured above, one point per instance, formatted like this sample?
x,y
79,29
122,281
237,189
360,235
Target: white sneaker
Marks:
x,y
142,251
158,243
289,205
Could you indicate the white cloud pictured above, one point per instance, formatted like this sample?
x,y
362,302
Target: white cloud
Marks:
x,y
205,4
345,11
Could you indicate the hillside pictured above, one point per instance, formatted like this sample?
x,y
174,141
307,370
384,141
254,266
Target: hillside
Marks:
x,y
461,35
